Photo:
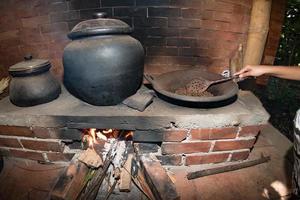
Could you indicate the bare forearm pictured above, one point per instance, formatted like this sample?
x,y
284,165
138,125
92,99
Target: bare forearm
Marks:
x,y
292,73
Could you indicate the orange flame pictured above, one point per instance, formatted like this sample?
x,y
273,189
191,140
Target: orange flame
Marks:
x,y
92,135
101,136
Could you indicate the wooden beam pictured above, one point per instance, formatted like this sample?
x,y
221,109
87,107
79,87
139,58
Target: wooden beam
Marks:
x,y
258,31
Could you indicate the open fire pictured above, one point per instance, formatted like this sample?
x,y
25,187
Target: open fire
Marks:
x,y
92,136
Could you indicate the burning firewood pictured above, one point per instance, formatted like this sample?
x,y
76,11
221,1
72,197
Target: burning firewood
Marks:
x,y
157,178
91,158
125,178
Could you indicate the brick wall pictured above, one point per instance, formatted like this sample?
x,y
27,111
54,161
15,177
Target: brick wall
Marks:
x,y
202,146
178,147
37,143
176,34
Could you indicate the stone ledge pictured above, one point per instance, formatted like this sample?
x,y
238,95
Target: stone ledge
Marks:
x,y
67,111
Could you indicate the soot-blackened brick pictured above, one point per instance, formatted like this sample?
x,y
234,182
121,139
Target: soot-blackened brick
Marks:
x,y
64,16
88,14
79,4
152,2
170,160
109,3
164,12
150,22
164,51
130,11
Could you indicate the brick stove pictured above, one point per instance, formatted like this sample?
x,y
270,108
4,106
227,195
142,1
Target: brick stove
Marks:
x,y
177,135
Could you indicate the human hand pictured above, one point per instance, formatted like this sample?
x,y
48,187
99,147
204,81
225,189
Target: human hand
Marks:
x,y
250,70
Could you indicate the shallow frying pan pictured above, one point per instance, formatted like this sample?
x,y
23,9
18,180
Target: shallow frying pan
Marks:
x,y
166,84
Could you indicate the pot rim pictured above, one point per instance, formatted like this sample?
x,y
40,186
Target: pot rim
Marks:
x,y
100,26
30,72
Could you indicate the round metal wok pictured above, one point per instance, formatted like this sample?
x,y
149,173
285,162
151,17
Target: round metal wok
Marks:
x,y
166,84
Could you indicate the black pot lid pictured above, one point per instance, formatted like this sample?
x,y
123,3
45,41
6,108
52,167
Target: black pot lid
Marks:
x,y
29,64
100,26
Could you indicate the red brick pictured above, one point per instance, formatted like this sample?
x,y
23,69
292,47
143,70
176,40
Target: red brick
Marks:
x,y
234,144
34,22
207,14
55,157
163,51
249,131
219,6
26,154
42,145
215,25
30,36
214,133
16,131
206,158
182,23
10,142
181,42
56,27
242,155
193,52
185,147
174,135
9,35
191,13
159,68
170,160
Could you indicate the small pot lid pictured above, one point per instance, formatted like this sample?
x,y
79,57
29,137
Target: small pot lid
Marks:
x,y
99,26
29,64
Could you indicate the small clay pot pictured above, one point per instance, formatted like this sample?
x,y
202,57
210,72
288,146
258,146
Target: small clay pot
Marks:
x,y
32,83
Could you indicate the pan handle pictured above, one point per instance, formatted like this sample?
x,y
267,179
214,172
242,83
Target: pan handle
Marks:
x,y
149,78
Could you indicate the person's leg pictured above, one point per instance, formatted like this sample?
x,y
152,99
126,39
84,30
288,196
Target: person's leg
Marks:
x,y
296,172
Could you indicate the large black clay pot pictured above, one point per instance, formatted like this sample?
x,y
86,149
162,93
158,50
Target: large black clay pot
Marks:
x,y
103,65
32,83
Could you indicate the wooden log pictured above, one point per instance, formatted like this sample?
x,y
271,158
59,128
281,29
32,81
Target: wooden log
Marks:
x,y
227,168
70,182
258,31
90,158
125,178
156,176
